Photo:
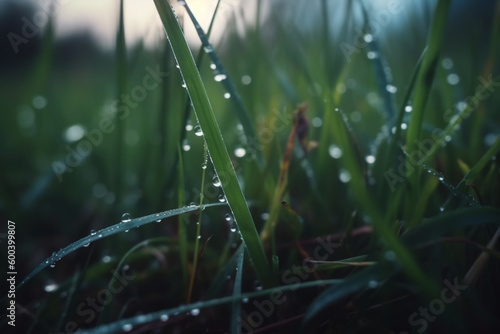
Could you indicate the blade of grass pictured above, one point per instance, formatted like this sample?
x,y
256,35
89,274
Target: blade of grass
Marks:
x,y
235,98
198,228
423,86
106,232
187,107
121,80
157,316
215,143
236,309
182,228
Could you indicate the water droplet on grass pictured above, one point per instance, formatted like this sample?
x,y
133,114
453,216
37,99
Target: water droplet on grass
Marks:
x,y
408,108
222,198
198,131
195,312
185,145
127,327
86,245
216,181
368,38
50,287
246,79
391,89
335,151
453,79
370,159
208,49
227,95
240,152
126,217
220,77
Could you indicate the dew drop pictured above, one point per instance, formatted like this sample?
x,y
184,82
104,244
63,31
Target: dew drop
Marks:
x,y
92,232
370,159
372,284
185,145
244,300
198,237
391,89
441,208
52,265
233,229
316,122
240,152
126,217
453,79
228,217
127,327
447,63
198,131
372,55
126,231
216,181
368,38
222,198
335,151
204,165
208,49
213,66
50,287
408,108
164,317
195,312
183,84
227,95
86,245
404,126
220,77
344,176
189,126
246,79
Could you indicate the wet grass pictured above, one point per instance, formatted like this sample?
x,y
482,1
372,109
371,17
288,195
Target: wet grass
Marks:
x,y
316,178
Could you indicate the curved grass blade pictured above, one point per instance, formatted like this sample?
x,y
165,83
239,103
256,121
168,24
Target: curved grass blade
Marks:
x,y
109,304
355,283
117,326
456,120
215,142
106,232
241,111
449,222
221,279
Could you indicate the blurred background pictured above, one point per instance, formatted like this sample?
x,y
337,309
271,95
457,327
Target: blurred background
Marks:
x,y
76,154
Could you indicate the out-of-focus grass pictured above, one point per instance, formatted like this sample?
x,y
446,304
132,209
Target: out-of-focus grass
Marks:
x,y
288,54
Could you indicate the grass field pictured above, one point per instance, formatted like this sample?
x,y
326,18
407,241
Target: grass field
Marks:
x,y
322,168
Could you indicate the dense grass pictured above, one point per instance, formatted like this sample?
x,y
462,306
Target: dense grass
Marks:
x,y
368,163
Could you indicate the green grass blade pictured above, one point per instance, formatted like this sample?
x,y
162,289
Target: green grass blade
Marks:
x,y
182,228
424,83
106,232
116,327
215,143
236,309
241,111
449,222
355,283
474,171
456,120
121,80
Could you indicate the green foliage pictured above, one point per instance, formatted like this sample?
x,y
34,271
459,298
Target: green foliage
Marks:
x,y
390,191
